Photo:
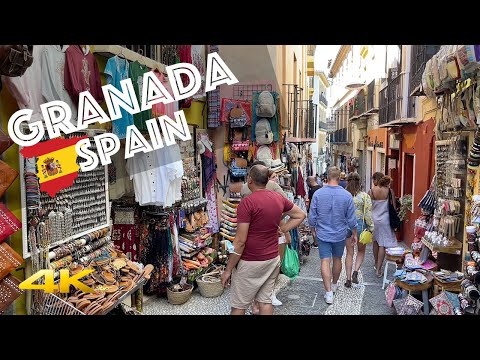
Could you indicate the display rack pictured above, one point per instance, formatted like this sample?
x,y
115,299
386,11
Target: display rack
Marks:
x,y
25,214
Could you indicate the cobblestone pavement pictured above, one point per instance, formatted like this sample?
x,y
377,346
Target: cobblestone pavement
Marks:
x,y
303,296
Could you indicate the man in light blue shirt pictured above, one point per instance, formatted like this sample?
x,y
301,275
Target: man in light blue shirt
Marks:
x,y
332,213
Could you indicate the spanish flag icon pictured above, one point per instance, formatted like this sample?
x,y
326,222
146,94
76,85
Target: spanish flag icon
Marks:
x,y
57,166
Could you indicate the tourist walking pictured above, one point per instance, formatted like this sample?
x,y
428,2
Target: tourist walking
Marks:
x,y
332,213
283,239
254,265
363,212
383,235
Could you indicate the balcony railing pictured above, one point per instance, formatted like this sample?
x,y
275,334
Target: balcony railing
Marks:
x,y
371,94
391,99
420,55
340,136
323,99
322,125
358,107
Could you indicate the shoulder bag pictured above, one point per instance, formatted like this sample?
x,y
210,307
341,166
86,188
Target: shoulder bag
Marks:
x,y
392,212
366,235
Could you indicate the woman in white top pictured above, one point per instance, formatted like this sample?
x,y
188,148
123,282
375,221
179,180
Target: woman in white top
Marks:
x,y
383,235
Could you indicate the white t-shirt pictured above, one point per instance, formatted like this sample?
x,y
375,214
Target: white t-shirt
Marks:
x,y
53,65
157,176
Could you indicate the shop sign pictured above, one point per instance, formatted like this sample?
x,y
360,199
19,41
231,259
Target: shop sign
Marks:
x,y
376,144
63,285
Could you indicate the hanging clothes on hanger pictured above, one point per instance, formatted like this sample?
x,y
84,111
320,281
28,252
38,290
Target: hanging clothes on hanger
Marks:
x,y
116,70
53,82
81,73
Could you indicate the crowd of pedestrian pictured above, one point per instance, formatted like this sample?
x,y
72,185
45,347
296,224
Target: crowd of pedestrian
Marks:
x,y
338,212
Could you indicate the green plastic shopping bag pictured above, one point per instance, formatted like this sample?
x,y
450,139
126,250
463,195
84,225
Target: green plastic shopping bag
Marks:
x,y
290,263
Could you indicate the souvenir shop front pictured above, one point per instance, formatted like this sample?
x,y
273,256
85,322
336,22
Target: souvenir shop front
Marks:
x,y
142,224
246,120
155,224
443,262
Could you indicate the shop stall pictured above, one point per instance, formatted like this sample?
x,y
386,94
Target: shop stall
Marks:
x,y
443,262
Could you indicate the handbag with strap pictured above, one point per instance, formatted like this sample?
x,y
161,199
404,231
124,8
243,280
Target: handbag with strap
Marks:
x,y
392,212
9,260
9,224
15,59
366,235
9,291
7,177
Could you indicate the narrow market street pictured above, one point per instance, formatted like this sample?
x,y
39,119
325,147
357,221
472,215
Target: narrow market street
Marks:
x,y
303,296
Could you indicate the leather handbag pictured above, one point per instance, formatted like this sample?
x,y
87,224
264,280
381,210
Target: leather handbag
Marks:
x,y
15,59
9,224
392,212
5,142
9,260
9,291
7,177
235,187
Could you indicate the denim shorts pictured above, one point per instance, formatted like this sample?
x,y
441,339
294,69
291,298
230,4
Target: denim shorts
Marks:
x,y
331,249
360,227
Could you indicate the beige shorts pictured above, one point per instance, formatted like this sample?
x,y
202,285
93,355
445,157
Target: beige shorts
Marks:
x,y
253,280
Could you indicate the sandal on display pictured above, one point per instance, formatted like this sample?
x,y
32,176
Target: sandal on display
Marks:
x,y
147,271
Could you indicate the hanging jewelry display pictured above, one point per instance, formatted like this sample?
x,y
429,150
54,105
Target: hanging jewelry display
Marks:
x,y
73,210
44,242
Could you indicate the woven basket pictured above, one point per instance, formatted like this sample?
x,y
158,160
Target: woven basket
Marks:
x,y
209,289
179,297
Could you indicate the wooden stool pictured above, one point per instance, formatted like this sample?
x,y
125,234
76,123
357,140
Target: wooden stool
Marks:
x,y
391,260
423,288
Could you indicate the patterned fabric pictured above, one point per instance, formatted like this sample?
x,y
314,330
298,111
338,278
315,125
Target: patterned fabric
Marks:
x,y
442,304
409,306
212,207
213,102
453,299
123,236
359,200
390,293
9,224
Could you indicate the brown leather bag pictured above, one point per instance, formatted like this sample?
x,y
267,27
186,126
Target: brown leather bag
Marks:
x,y
9,291
9,260
15,59
5,142
7,177
235,187
241,163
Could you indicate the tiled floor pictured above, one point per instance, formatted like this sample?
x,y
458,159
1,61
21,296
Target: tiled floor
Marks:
x,y
303,296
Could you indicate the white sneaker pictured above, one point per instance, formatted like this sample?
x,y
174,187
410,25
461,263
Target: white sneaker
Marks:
x,y
275,301
328,297
334,287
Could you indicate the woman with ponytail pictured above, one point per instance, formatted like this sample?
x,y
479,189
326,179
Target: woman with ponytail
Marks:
x,y
383,235
363,212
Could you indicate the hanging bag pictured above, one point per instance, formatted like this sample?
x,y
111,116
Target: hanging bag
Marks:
x,y
290,263
392,212
237,117
266,105
366,235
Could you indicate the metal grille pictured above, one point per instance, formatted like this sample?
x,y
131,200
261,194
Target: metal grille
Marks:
x,y
50,304
245,92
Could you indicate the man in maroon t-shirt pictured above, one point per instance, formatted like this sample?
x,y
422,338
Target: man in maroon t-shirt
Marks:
x,y
254,265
